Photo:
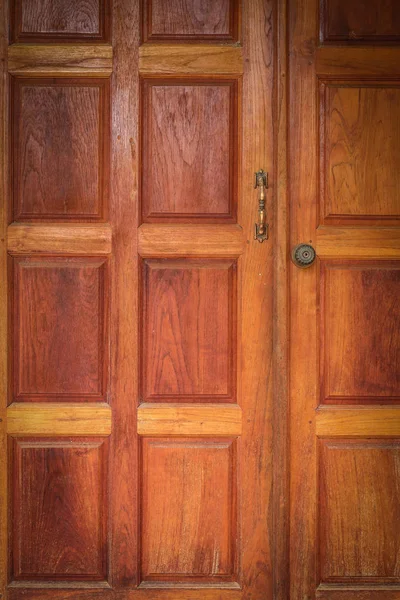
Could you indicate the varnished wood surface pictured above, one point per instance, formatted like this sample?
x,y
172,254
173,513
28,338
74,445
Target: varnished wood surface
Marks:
x,y
186,419
46,59
195,20
203,593
355,242
195,59
60,142
189,150
159,240
382,421
51,419
62,239
339,61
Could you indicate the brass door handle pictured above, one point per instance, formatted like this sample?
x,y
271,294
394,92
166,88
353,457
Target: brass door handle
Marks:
x,y
261,228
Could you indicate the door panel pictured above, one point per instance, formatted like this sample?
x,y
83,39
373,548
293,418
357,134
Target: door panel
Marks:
x,y
344,354
139,425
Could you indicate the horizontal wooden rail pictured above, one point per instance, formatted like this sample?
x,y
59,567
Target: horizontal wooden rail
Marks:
x,y
358,242
58,419
358,422
66,60
341,61
182,59
61,238
189,419
158,240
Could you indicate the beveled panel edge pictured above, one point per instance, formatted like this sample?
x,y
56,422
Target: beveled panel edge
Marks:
x,y
382,421
164,240
58,419
59,238
188,419
180,59
358,242
351,62
60,59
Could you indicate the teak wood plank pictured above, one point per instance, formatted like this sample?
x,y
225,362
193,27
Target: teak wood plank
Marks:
x,y
182,59
190,240
56,419
342,61
355,242
360,422
50,59
189,419
59,238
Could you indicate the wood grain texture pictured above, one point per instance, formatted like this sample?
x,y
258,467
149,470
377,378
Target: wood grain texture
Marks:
x,y
62,239
60,324
359,501
46,59
187,20
196,59
51,21
159,240
360,21
51,419
189,419
60,144
4,193
189,509
360,135
203,593
364,592
354,242
189,149
59,509
189,330
383,421
360,350
334,61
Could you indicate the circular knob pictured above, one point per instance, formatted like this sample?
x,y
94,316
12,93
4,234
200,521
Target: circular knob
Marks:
x,y
303,255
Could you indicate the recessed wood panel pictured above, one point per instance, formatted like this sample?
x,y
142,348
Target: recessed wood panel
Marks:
x,y
189,330
187,20
59,315
189,150
359,518
60,148
360,20
57,20
59,519
360,135
360,356
188,510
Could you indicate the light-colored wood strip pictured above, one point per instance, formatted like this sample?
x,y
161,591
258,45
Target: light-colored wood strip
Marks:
x,y
192,240
189,419
60,238
182,59
358,422
358,242
56,418
67,60
342,61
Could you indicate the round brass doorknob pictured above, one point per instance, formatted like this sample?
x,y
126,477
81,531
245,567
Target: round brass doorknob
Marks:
x,y
303,255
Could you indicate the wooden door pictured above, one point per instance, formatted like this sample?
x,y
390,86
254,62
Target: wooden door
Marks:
x,y
344,149
136,405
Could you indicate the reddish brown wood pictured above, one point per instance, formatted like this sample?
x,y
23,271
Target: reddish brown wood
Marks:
x,y
189,510
360,359
360,147
197,20
189,330
189,150
360,21
359,511
60,329
60,148
59,509
56,20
